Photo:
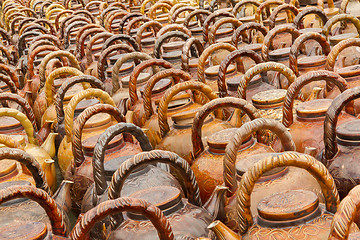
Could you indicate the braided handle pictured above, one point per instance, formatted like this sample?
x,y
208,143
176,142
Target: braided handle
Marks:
x,y
265,5
82,36
181,9
24,121
206,53
211,18
173,27
105,53
197,12
238,6
138,69
123,38
79,124
161,40
170,93
52,55
9,142
155,215
104,14
92,41
152,157
50,38
263,67
233,56
127,18
335,51
287,7
148,110
24,105
22,41
294,159
295,87
109,20
70,108
159,5
271,35
235,23
30,163
299,42
59,98
155,26
244,132
68,31
99,154
134,21
11,73
241,31
331,119
68,20
346,215
120,62
49,94
40,196
34,53
341,17
219,103
48,24
307,11
143,5
190,45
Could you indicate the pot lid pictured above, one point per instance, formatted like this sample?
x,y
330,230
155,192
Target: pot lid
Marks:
x,y
349,71
279,54
3,86
338,38
89,144
71,92
214,70
288,205
253,46
24,230
149,41
349,131
172,56
313,108
5,185
160,86
217,141
173,45
185,118
224,39
233,83
97,120
143,77
9,123
180,99
306,30
247,19
19,138
7,167
269,98
83,104
224,31
311,61
196,30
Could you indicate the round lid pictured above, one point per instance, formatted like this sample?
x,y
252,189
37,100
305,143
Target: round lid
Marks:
x,y
223,31
89,143
214,70
279,54
8,123
160,86
148,41
349,131
24,230
269,98
7,167
172,56
313,108
349,71
224,39
338,38
85,103
196,30
3,86
253,46
233,83
71,92
247,19
217,141
125,67
306,30
189,114
179,100
143,77
288,205
97,120
173,45
311,61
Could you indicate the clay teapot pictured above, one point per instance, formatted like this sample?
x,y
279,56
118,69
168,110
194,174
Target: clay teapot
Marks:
x,y
341,143
289,213
196,26
251,153
219,33
291,12
306,125
264,10
196,213
244,38
335,39
306,26
146,39
180,127
94,127
245,10
207,162
345,216
40,153
191,52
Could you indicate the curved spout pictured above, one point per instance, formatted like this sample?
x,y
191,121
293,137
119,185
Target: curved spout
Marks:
x,y
44,132
62,195
222,232
49,144
216,203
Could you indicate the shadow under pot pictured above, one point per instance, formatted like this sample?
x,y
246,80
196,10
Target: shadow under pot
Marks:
x,y
235,164
183,213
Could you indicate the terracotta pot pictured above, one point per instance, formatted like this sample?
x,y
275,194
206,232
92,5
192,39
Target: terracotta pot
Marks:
x,y
289,8
196,27
207,161
217,34
293,222
210,19
341,143
145,40
335,39
179,14
300,23
267,7
95,127
188,211
193,47
236,164
248,41
246,18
